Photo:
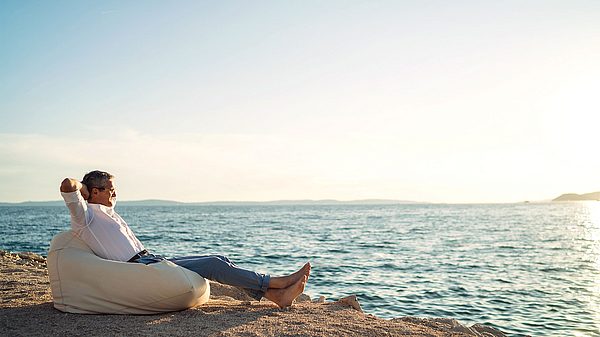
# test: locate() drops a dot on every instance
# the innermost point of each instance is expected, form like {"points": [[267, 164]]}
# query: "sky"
{"points": [[437, 101]]}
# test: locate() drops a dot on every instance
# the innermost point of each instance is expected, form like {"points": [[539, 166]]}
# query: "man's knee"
{"points": [[224, 258]]}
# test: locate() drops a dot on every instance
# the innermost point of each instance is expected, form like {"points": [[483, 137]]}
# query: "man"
{"points": [[94, 220]]}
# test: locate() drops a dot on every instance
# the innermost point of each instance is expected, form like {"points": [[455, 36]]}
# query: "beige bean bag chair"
{"points": [[84, 283]]}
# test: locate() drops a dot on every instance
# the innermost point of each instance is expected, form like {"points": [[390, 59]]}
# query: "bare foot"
{"points": [[286, 281], [286, 296]]}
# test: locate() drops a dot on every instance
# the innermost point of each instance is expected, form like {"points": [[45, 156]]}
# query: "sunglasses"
{"points": [[111, 190]]}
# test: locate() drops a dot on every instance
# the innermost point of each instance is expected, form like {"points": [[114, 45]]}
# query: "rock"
{"points": [[321, 299], [351, 301], [487, 330], [302, 298], [453, 326], [464, 329], [31, 256]]}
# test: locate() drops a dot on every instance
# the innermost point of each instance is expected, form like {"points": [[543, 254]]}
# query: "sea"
{"points": [[527, 268]]}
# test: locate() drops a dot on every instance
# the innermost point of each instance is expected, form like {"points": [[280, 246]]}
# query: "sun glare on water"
{"points": [[593, 209]]}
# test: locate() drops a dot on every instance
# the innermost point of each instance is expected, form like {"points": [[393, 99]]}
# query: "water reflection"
{"points": [[593, 210], [593, 228]]}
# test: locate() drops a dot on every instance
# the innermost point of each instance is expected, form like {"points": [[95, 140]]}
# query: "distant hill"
{"points": [[34, 203], [156, 202], [151, 202], [309, 202], [578, 197]]}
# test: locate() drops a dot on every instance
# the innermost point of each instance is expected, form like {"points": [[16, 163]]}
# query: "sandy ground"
{"points": [[26, 310]]}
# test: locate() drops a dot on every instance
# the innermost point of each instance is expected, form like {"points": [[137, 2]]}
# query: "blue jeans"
{"points": [[219, 268]]}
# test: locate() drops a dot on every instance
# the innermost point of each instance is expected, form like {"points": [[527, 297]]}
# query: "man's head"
{"points": [[101, 188]]}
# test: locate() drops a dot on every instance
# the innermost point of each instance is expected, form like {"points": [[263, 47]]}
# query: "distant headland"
{"points": [[578, 197]]}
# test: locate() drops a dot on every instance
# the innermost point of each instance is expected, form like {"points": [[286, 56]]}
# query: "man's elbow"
{"points": [[68, 185]]}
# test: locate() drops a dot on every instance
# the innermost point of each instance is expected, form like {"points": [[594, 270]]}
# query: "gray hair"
{"points": [[96, 179]]}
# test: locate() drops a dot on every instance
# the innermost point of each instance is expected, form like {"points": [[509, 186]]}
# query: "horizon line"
{"points": [[292, 201]]}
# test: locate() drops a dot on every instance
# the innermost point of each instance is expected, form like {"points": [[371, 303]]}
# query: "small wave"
{"points": [[338, 250], [500, 301], [459, 291], [508, 247], [503, 281], [555, 270], [388, 266], [432, 294]]}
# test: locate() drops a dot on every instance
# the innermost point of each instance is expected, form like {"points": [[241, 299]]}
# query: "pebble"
{"points": [[302, 298]]}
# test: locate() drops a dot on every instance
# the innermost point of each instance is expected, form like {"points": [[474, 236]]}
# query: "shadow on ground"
{"points": [[44, 320]]}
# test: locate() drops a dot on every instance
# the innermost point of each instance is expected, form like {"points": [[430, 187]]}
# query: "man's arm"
{"points": [[75, 202], [71, 185]]}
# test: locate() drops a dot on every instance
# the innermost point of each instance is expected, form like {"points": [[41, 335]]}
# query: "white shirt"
{"points": [[107, 234]]}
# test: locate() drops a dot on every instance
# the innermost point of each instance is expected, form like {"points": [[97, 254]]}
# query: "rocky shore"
{"points": [[26, 310]]}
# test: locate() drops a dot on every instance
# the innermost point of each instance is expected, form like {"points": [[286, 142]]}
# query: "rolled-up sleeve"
{"points": [[78, 208]]}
